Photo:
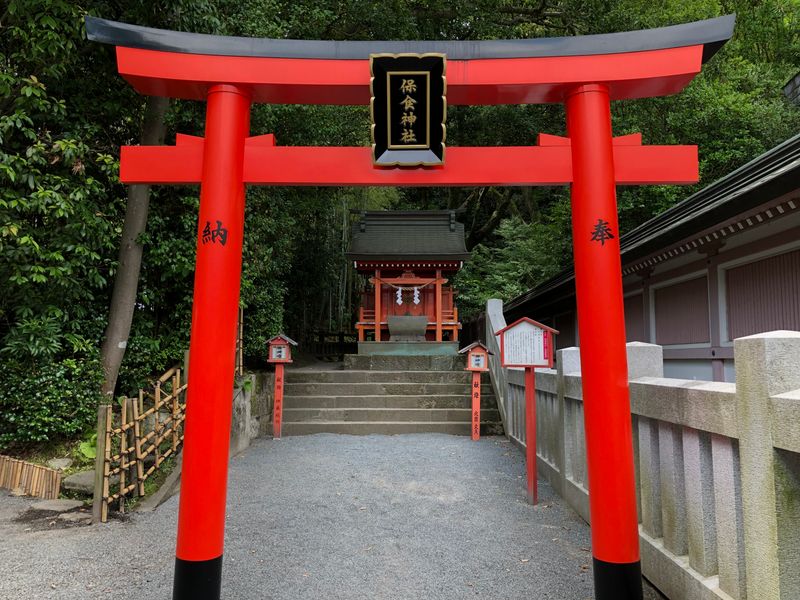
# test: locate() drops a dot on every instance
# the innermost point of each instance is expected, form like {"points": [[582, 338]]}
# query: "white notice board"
{"points": [[478, 360], [525, 345]]}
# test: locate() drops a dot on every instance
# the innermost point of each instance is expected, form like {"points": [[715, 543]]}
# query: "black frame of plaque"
{"points": [[422, 142]]}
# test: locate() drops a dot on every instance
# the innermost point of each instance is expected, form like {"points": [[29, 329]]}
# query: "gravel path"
{"points": [[334, 517]]}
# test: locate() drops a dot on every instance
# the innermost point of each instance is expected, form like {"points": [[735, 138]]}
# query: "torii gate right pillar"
{"points": [[604, 370]]}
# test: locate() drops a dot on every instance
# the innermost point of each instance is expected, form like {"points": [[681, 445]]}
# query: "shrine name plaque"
{"points": [[408, 109]]}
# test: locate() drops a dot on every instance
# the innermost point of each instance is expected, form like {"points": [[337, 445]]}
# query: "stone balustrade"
{"points": [[717, 464]]}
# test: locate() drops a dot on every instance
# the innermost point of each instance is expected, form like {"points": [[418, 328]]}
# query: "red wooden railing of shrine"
{"points": [[426, 306]]}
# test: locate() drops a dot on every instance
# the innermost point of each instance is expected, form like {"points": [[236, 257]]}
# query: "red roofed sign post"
{"points": [[585, 73], [528, 344], [477, 362], [279, 354]]}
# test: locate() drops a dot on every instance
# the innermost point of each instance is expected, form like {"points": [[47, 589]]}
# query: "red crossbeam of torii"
{"points": [[584, 73], [549, 163], [308, 80]]}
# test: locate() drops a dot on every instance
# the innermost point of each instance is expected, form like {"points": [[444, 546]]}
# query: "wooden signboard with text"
{"points": [[529, 344], [526, 343]]}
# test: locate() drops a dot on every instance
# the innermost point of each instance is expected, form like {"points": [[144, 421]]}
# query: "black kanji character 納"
{"points": [[212, 235]]}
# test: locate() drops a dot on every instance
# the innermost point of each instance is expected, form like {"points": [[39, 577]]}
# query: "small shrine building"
{"points": [[410, 258]]}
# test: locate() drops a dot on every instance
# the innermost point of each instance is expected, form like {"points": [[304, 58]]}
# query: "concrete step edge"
{"points": [[365, 371], [390, 416], [374, 408], [356, 403], [434, 411], [465, 382], [388, 427], [398, 423], [326, 396], [328, 385]]}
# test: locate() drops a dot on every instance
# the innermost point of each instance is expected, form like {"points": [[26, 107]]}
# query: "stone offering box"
{"points": [[407, 328]]}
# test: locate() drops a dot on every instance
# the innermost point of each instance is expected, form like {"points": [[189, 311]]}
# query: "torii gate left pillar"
{"points": [[586, 73], [201, 518]]}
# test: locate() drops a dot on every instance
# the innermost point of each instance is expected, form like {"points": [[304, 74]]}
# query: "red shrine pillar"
{"points": [[378, 307], [438, 303], [601, 322], [201, 519]]}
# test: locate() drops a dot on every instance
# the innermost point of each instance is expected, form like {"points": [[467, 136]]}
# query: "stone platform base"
{"points": [[408, 348]]}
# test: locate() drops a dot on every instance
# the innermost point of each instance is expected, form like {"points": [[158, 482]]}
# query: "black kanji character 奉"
{"points": [[602, 232]]}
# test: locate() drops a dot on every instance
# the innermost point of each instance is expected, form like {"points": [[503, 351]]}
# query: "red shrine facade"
{"points": [[410, 259]]}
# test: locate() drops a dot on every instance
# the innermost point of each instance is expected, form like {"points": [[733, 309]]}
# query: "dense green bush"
{"points": [[57, 401]]}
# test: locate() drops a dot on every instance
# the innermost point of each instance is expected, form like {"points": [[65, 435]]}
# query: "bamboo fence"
{"points": [[32, 480], [140, 434]]}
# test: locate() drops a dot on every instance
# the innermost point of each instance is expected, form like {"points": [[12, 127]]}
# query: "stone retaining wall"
{"points": [[253, 396]]}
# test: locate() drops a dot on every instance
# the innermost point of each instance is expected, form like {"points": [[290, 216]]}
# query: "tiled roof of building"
{"points": [[408, 235]]}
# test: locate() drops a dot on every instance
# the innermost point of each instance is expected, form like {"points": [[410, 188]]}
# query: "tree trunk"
{"points": [[123, 298], [476, 236]]}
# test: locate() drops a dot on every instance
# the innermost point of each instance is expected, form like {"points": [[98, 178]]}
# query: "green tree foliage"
{"points": [[734, 111], [64, 113], [63, 116], [57, 224], [523, 252]]}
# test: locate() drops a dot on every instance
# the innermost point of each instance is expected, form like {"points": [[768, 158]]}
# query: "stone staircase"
{"points": [[386, 397]]}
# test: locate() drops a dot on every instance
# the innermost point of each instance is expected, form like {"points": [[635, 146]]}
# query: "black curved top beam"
{"points": [[711, 33]]}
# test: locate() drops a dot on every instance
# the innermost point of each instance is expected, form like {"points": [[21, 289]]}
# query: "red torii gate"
{"points": [[585, 73]]}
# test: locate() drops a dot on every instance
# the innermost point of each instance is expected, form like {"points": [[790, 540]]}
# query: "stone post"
{"points": [[495, 321], [573, 473], [767, 364], [645, 360], [568, 360]]}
